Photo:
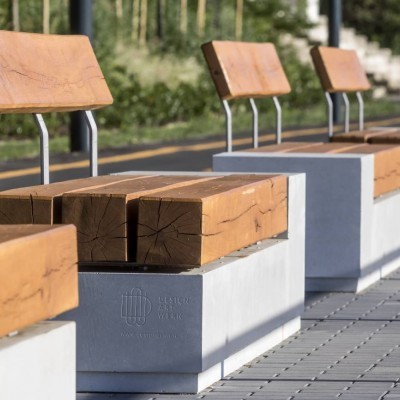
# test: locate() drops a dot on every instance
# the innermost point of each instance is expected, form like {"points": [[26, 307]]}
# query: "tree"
{"points": [[201, 17], [239, 19], [143, 22], [378, 20]]}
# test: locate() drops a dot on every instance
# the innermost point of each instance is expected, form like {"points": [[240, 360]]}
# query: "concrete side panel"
{"points": [[38, 363], [333, 204], [138, 322]]}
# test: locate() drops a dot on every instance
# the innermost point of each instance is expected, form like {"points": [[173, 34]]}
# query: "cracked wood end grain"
{"points": [[44, 73], [38, 274], [242, 70], [41, 204], [339, 70], [193, 225], [106, 217]]}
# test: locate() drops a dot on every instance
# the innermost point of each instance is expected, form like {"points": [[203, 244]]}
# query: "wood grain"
{"points": [[106, 218], [282, 147], [38, 274], [42, 73], [196, 224], [359, 136], [339, 70], [386, 166], [241, 69], [41, 204], [386, 138], [386, 159]]}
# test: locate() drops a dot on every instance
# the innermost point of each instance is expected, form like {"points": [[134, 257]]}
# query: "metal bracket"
{"points": [[255, 122], [228, 116], [278, 118], [329, 104], [93, 143], [360, 111], [346, 113], [44, 149]]}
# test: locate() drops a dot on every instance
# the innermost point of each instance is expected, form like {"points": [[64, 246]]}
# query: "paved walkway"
{"points": [[348, 348]]}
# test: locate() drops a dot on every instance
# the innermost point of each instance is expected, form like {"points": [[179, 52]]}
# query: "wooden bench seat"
{"points": [[370, 136], [340, 71], [38, 274], [106, 217], [253, 70], [41, 204], [196, 224], [386, 159]]}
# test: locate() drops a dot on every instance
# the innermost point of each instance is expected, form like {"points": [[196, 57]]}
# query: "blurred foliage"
{"points": [[140, 102], [378, 20]]}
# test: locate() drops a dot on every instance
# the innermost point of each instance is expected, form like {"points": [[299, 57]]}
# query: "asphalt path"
{"points": [[189, 155]]}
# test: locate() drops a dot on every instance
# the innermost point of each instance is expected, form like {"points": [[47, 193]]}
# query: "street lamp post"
{"points": [[80, 17], [335, 22]]}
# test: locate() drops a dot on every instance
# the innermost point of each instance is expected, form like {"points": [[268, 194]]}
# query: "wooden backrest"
{"points": [[42, 73], [339, 70], [243, 70]]}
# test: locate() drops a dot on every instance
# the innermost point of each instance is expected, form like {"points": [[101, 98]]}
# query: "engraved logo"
{"points": [[135, 307]]}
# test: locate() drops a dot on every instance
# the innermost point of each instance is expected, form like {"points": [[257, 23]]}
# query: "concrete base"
{"points": [[38, 363], [147, 382], [352, 240], [142, 331]]}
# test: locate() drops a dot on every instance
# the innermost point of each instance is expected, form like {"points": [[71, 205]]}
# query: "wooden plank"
{"points": [[359, 136], [38, 274], [42, 73], [386, 166], [282, 147], [386, 138], [106, 217], [196, 224], [41, 204], [327, 148], [339, 70], [241, 69]]}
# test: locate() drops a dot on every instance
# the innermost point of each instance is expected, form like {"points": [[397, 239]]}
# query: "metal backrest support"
{"points": [[51, 73], [340, 71], [246, 70]]}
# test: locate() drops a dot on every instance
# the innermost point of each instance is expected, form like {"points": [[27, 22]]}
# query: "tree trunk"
{"points": [[143, 22], [160, 18], [135, 20], [118, 9], [183, 20], [15, 15], [201, 17], [239, 20], [46, 16]]}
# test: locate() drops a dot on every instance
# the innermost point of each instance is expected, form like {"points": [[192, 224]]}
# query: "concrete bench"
{"points": [[38, 264], [353, 202], [144, 328], [340, 71], [38, 281]]}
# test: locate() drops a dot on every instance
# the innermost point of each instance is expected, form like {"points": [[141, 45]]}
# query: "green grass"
{"points": [[211, 125]]}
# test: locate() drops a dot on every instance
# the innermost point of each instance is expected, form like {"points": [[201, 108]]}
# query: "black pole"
{"points": [[335, 22], [80, 19]]}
